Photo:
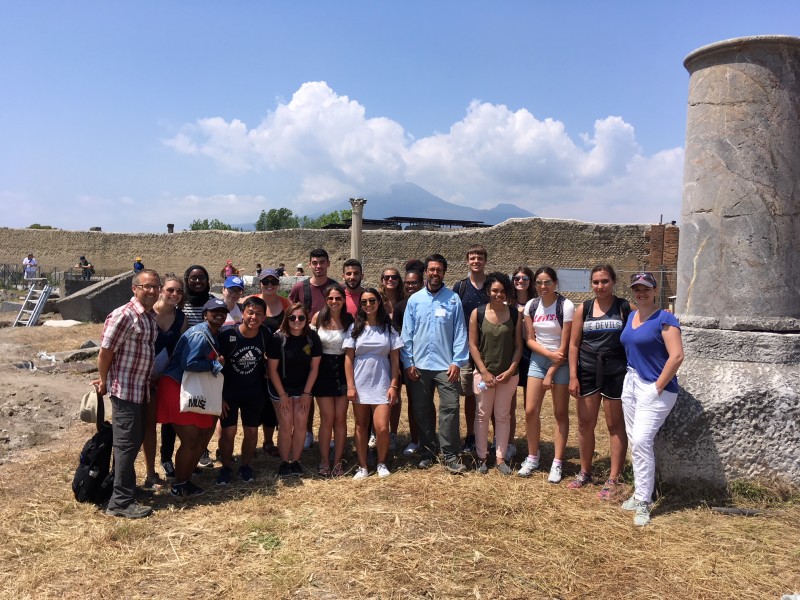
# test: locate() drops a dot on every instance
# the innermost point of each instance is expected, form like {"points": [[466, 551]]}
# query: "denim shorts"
{"points": [[540, 364]]}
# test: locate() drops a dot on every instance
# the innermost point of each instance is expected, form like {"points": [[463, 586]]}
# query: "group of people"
{"points": [[341, 343]]}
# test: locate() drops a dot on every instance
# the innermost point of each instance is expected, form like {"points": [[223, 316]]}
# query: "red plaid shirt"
{"points": [[130, 332]]}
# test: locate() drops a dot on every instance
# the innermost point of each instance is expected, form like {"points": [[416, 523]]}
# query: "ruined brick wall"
{"points": [[533, 242]]}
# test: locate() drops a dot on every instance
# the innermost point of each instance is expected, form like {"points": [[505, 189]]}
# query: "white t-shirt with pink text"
{"points": [[545, 322]]}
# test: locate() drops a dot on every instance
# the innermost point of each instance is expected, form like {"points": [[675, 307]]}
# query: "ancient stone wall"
{"points": [[533, 242]]}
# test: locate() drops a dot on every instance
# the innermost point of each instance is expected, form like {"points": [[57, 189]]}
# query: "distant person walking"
{"points": [[138, 265], [124, 363], [30, 267], [87, 268]]}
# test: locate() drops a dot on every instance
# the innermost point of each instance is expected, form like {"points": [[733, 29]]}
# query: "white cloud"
{"points": [[494, 154]]}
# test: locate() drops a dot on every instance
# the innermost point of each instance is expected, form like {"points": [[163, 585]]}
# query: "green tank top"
{"points": [[497, 345]]}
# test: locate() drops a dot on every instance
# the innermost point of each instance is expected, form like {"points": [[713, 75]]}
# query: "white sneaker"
{"points": [[555, 474], [309, 441], [630, 504], [383, 471], [411, 449], [642, 515], [361, 473], [373, 442], [529, 465], [511, 451]]}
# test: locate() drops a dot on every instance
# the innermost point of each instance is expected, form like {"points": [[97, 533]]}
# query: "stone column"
{"points": [[356, 226], [738, 412]]}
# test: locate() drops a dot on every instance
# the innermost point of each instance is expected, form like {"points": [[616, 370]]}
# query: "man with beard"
{"points": [[434, 350], [352, 273], [124, 365]]}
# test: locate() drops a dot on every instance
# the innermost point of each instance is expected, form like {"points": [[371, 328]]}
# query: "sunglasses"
{"points": [[369, 301], [294, 318], [334, 299], [391, 277], [521, 278], [545, 283], [173, 290], [270, 281]]}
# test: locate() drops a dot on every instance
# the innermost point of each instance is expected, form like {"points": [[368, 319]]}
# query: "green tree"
{"points": [[333, 217], [37, 226], [277, 218], [204, 224]]}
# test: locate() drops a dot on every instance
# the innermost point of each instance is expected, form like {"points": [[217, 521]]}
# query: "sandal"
{"points": [[581, 479], [608, 492], [324, 471], [338, 470]]}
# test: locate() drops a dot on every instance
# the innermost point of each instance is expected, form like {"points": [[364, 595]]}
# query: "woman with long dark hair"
{"points": [[170, 319], [330, 389], [372, 365], [495, 344], [294, 356], [597, 366], [393, 293], [548, 322]]}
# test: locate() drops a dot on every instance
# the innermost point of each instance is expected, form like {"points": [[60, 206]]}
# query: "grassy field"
{"points": [[416, 534]]}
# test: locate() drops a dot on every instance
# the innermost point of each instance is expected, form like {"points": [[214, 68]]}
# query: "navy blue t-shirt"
{"points": [[471, 298]]}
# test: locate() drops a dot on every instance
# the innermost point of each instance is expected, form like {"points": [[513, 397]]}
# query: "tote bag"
{"points": [[201, 392]]}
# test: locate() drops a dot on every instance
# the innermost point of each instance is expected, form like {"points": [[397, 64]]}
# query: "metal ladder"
{"points": [[34, 303]]}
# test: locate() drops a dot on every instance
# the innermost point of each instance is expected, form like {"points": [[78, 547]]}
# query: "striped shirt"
{"points": [[130, 333]]}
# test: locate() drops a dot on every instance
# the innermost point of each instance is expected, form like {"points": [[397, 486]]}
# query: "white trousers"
{"points": [[645, 411]]}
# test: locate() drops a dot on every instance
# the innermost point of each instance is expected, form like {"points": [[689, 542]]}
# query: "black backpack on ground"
{"points": [[94, 478]]}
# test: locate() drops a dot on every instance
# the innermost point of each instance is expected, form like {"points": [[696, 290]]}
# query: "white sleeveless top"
{"points": [[332, 340]]}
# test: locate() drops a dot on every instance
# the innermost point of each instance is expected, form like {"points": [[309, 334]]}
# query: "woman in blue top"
{"points": [[652, 341], [197, 351]]}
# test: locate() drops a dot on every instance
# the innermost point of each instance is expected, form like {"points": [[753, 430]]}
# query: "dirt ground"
{"points": [[39, 398]]}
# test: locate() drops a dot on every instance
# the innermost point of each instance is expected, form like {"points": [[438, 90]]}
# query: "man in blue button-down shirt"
{"points": [[435, 348]]}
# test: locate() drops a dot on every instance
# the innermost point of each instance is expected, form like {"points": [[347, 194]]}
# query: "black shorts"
{"points": [[251, 407], [269, 418], [608, 384]]}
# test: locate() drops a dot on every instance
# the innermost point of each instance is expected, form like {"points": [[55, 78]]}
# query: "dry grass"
{"points": [[413, 535]]}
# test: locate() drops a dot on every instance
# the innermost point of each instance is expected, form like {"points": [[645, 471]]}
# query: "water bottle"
{"points": [[481, 386]]}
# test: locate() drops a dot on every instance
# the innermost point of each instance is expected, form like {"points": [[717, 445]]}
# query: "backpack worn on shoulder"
{"points": [[559, 308], [94, 477]]}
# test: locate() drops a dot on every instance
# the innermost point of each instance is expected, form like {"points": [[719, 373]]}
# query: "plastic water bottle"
{"points": [[481, 386]]}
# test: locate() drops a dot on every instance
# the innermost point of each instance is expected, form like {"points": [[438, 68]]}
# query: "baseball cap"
{"points": [[645, 278], [234, 281], [215, 304], [268, 273]]}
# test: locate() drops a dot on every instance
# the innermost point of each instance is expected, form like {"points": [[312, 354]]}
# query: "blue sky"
{"points": [[131, 115]]}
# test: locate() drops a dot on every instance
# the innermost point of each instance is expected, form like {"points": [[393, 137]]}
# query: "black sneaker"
{"points": [[134, 510], [425, 463], [455, 467], [284, 470], [246, 473], [482, 468], [224, 476], [184, 490], [469, 444], [296, 469], [169, 469], [205, 460]]}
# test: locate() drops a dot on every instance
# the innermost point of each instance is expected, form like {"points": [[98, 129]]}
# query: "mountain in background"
{"points": [[410, 200]]}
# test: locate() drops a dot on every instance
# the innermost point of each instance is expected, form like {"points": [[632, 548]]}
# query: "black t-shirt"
{"points": [[295, 360], [245, 364], [471, 297], [274, 323]]}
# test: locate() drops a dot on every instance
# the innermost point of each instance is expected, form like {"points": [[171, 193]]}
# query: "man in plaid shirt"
{"points": [[125, 362]]}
